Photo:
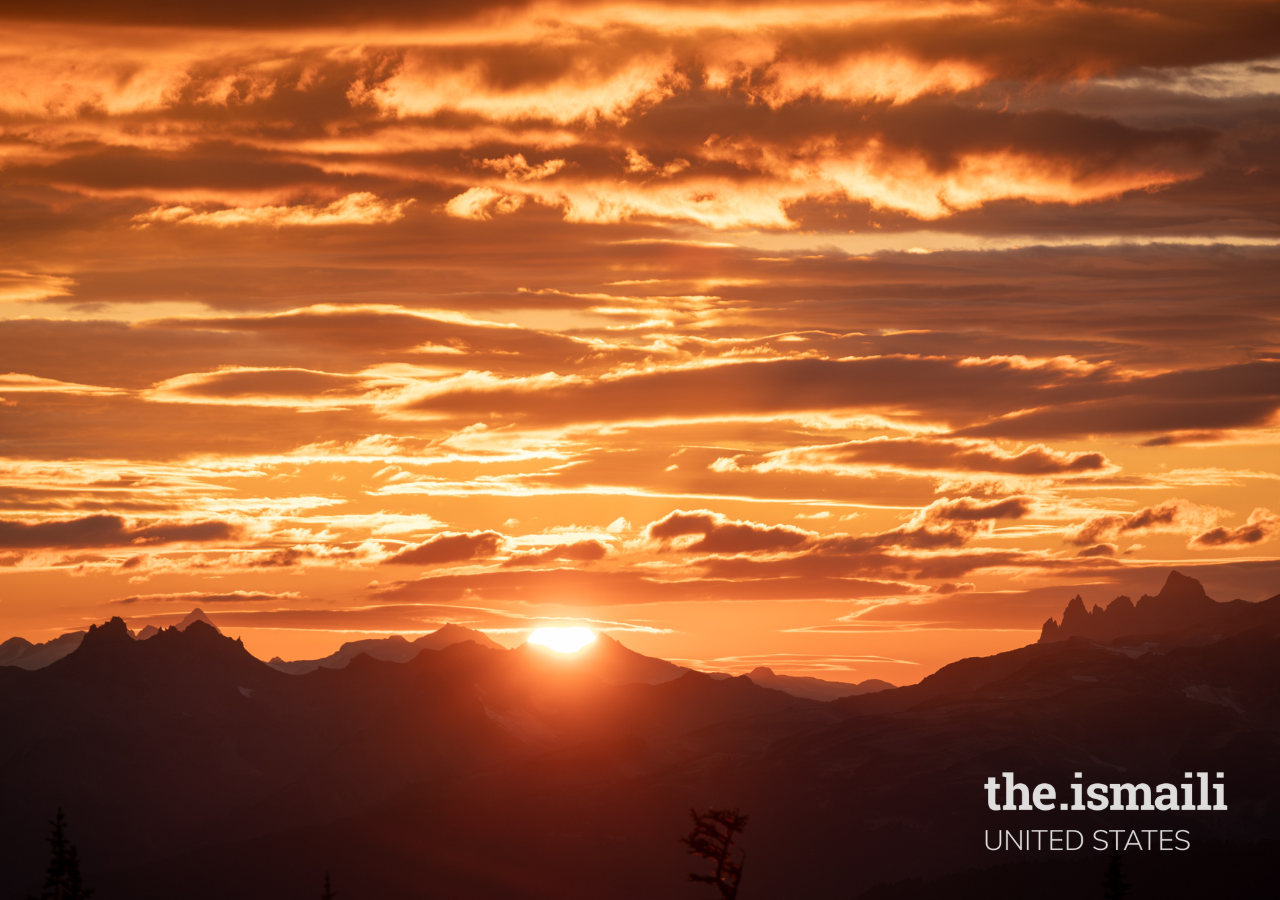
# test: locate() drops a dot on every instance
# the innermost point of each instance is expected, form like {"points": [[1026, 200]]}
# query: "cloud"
{"points": [[934, 454], [602, 587], [15, 383], [942, 524], [261, 387], [588, 83], [207, 597], [718, 534], [372, 331], [1169, 516], [967, 509], [104, 530], [1261, 526], [1182, 400], [514, 167], [354, 209], [939, 386], [17, 286], [578, 551], [1069, 400], [449, 547], [552, 318], [299, 558], [865, 77], [481, 203]]}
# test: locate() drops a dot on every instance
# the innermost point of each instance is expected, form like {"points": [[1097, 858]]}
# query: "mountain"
{"points": [[1181, 603], [393, 649], [814, 688], [608, 660], [196, 615], [186, 740], [22, 653], [526, 775], [845, 797]]}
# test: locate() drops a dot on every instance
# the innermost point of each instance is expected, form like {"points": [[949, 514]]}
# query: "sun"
{"points": [[563, 640]]}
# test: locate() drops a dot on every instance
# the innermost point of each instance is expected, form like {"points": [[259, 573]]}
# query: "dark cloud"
{"points": [[1066, 401], [1262, 526], [123, 169], [578, 551], [718, 534], [1171, 515], [449, 547], [943, 524], [967, 227], [111, 531], [282, 14], [941, 385], [967, 509], [379, 332]]}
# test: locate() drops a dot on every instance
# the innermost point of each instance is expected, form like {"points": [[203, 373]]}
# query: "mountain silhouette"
{"points": [[814, 688], [526, 774], [844, 796], [185, 738], [196, 615], [1181, 603], [606, 659], [395, 648], [22, 653]]}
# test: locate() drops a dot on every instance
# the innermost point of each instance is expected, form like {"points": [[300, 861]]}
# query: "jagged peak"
{"points": [[1182, 601], [1181, 585], [114, 630], [1120, 603]]}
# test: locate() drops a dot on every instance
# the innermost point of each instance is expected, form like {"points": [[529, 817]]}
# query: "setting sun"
{"points": [[563, 640]]}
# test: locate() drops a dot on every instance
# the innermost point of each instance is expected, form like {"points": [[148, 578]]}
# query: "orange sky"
{"points": [[846, 338]]}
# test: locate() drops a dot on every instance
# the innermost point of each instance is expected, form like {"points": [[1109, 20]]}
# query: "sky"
{"points": [[847, 338]]}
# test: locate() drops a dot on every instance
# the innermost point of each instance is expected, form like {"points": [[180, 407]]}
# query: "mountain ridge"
{"points": [[604, 775], [1181, 603], [394, 648], [22, 653], [815, 688]]}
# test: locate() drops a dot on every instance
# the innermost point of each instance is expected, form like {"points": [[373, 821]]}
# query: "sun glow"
{"points": [[563, 640]]}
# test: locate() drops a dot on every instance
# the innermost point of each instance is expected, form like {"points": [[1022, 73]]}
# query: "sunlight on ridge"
{"points": [[563, 640]]}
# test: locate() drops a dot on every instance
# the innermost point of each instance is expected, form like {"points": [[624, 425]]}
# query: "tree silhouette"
{"points": [[1114, 887], [329, 892], [62, 879], [712, 838]]}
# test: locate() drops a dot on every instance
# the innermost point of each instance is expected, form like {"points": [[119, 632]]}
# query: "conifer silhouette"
{"points": [[1114, 887], [712, 838], [62, 879], [329, 892]]}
